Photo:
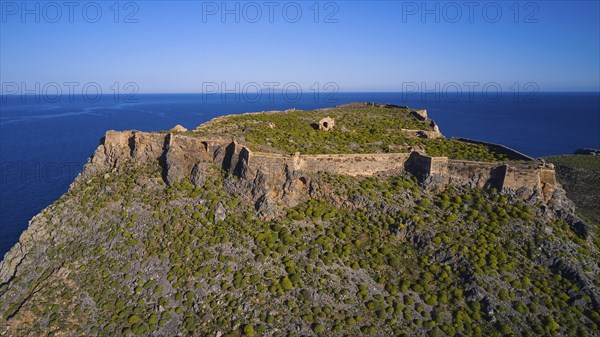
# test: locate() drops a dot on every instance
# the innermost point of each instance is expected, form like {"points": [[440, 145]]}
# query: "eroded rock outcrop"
{"points": [[117, 148], [182, 154]]}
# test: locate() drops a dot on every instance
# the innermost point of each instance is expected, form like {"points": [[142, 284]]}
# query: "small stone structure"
{"points": [[326, 124], [178, 128]]}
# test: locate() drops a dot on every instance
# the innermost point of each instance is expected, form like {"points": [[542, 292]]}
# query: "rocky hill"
{"points": [[263, 224]]}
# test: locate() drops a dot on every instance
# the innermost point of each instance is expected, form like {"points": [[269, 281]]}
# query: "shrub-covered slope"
{"points": [[580, 176], [125, 254], [358, 129]]}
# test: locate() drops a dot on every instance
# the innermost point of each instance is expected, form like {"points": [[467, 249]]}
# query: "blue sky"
{"points": [[368, 46]]}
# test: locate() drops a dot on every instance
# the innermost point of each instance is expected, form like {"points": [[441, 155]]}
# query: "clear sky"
{"points": [[166, 46]]}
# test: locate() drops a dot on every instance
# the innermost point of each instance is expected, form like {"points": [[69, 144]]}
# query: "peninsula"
{"points": [[362, 219]]}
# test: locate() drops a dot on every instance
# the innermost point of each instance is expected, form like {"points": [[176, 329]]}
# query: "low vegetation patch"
{"points": [[357, 130], [131, 256]]}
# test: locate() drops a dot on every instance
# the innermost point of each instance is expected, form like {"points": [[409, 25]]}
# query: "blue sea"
{"points": [[43, 145]]}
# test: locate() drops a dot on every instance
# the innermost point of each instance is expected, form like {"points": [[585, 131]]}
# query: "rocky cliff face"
{"points": [[270, 186], [274, 183], [279, 179], [153, 239]]}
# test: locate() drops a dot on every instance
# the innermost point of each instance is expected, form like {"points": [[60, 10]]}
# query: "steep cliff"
{"points": [[272, 176]]}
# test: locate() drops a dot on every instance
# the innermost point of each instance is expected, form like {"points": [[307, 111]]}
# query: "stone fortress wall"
{"points": [[180, 152], [352, 164], [530, 177]]}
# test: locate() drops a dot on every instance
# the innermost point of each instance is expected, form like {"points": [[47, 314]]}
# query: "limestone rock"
{"points": [[579, 227], [434, 182], [560, 202], [198, 176], [220, 214], [267, 208], [181, 156]]}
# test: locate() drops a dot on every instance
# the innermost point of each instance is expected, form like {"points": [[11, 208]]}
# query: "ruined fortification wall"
{"points": [[529, 179], [272, 163], [475, 174], [133, 144], [548, 181], [118, 147], [180, 154], [346, 164], [423, 166], [418, 165], [438, 165], [539, 180], [433, 133], [516, 178], [353, 164]]}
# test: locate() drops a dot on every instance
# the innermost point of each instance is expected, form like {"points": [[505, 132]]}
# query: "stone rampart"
{"points": [[180, 153], [353, 164], [475, 174]]}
